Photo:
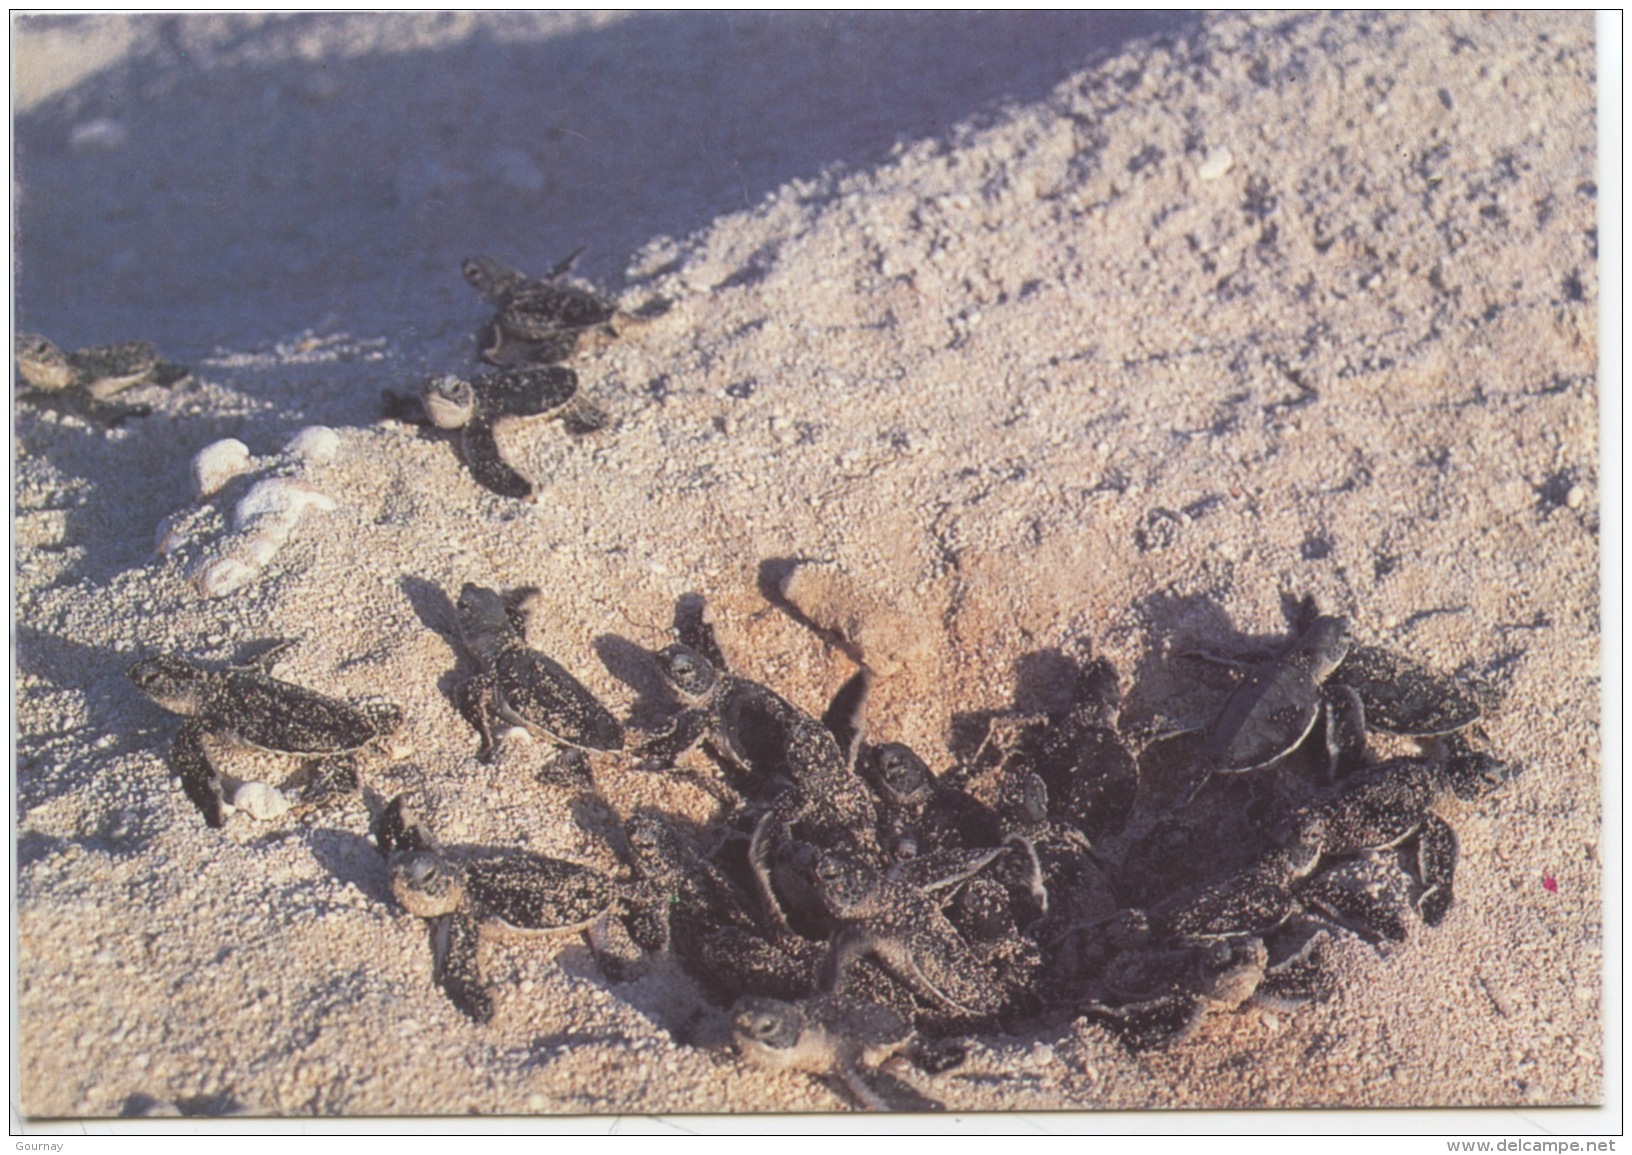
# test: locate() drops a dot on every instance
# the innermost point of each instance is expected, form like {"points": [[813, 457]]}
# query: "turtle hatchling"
{"points": [[539, 319], [1271, 713], [484, 407], [245, 706], [1391, 803], [87, 379], [832, 1036], [464, 899], [521, 686]]}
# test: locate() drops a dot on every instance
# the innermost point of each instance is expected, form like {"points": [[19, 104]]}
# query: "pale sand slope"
{"points": [[975, 374]]}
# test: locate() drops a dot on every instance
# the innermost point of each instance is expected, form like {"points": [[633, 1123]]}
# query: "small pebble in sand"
{"points": [[1218, 162], [1576, 497]]}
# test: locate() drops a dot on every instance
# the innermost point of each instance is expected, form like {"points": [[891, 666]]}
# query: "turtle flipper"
{"points": [[877, 1090], [199, 778], [331, 778], [398, 828], [1144, 1026], [478, 704], [1436, 859], [581, 417], [454, 938], [488, 466], [844, 715], [686, 730]]}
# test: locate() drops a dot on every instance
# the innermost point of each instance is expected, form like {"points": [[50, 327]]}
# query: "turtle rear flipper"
{"points": [[488, 466], [454, 939], [581, 417], [1436, 859], [199, 778]]}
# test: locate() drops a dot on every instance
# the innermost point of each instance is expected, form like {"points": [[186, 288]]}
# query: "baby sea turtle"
{"points": [[1271, 713], [466, 898], [789, 757], [539, 320], [87, 379], [919, 813], [245, 706], [905, 930], [1391, 803], [484, 407], [710, 921], [521, 686], [832, 1036], [1399, 696]]}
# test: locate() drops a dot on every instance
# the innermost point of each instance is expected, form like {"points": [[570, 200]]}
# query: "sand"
{"points": [[1049, 331]]}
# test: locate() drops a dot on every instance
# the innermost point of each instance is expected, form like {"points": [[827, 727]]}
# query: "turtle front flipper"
{"points": [[199, 778], [687, 728], [398, 828], [877, 1090], [488, 466], [1153, 1023], [1436, 859], [328, 779], [455, 938], [478, 703]]}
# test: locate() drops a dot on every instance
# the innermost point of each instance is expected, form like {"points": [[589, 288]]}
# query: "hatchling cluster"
{"points": [[848, 910]]}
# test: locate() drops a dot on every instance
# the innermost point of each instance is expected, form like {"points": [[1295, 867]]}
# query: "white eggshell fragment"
{"points": [[315, 445], [260, 801], [218, 463]]}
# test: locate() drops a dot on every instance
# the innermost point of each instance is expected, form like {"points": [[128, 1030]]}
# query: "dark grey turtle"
{"points": [[710, 923], [466, 898], [245, 706], [1156, 996], [790, 759], [539, 320], [917, 812], [484, 407], [87, 379], [1276, 707], [1401, 697], [905, 930], [835, 1037], [521, 686], [1079, 754], [1391, 803], [1060, 874], [1251, 902]]}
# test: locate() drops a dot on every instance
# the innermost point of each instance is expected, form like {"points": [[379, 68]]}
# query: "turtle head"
{"points": [[767, 1029], [901, 775], [690, 675], [450, 402], [483, 620], [1324, 645], [427, 884], [654, 846], [490, 277], [171, 681], [844, 885]]}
